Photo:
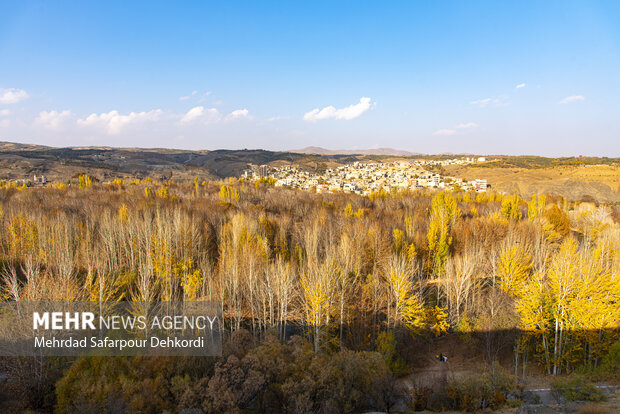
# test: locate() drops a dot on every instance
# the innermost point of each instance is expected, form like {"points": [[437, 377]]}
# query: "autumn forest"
{"points": [[315, 287]]}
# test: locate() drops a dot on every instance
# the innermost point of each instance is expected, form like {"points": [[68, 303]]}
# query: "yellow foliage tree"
{"points": [[84, 181], [573, 308], [191, 279], [444, 214], [118, 183], [536, 207], [557, 224], [24, 236], [408, 309], [316, 287], [228, 194], [510, 207], [514, 270], [196, 187], [122, 214], [163, 191], [348, 210], [398, 240]]}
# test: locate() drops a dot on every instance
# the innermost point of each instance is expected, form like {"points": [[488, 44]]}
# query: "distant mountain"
{"points": [[375, 151], [19, 161]]}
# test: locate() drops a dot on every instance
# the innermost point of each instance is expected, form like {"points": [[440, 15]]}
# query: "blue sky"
{"points": [[481, 77]]}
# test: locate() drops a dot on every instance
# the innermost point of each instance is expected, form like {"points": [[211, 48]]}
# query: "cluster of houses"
{"points": [[37, 180], [367, 177]]}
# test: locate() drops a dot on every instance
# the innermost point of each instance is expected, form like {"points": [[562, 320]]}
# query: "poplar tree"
{"points": [[444, 213]]}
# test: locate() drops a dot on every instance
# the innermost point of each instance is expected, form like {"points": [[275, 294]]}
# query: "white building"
{"points": [[480, 185]]}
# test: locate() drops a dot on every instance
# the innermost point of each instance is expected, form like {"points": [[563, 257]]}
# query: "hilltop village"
{"points": [[367, 177]]}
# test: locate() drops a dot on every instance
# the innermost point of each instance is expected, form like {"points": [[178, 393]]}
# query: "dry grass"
{"points": [[600, 182], [594, 409], [612, 405]]}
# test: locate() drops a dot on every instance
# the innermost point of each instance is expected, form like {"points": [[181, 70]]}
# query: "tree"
{"points": [[348, 210], [510, 207], [317, 285], [459, 284], [346, 278], [84, 181], [514, 273], [228, 194], [196, 187], [444, 214], [557, 223], [536, 207], [514, 270], [408, 308]]}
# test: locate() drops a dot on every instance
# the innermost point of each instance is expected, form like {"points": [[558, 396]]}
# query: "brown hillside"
{"points": [[598, 182]]}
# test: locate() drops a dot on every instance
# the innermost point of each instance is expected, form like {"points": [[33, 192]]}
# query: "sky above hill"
{"points": [[477, 77]]}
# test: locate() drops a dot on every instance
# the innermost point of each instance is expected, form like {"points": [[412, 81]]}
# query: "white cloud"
{"points": [[275, 118], [237, 114], [212, 115], [572, 98], [194, 93], [467, 125], [113, 122], [521, 85], [499, 101], [481, 102], [203, 97], [445, 132], [195, 112], [53, 119], [201, 113], [188, 97], [348, 113], [4, 112], [12, 95], [459, 129]]}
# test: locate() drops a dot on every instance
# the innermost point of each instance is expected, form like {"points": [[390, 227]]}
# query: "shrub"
{"points": [[422, 398], [91, 385], [575, 388], [276, 377], [343, 382], [118, 384], [471, 394], [514, 403], [489, 390], [386, 346], [611, 362], [31, 380]]}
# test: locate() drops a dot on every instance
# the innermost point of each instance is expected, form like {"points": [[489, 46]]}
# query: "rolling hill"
{"points": [[574, 178]]}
